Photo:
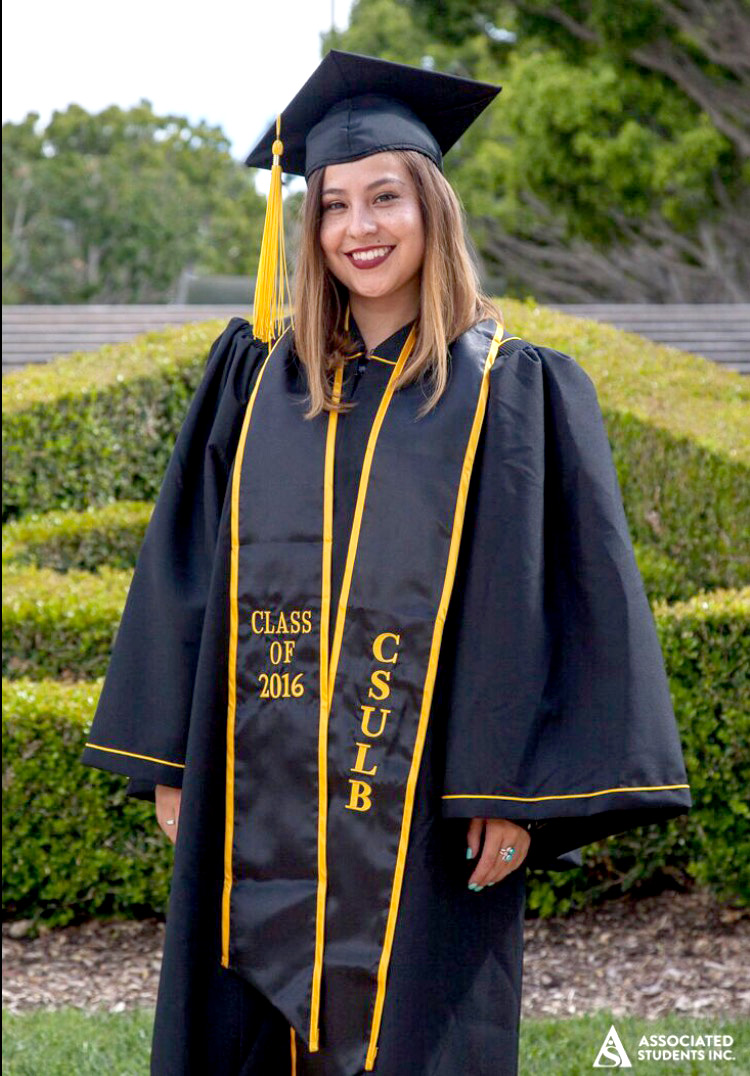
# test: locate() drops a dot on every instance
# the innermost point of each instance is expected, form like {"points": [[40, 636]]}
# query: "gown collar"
{"points": [[388, 350]]}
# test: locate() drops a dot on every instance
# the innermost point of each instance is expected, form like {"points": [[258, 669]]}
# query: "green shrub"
{"points": [[74, 844], [688, 505], [706, 645], [664, 579], [90, 428], [112, 535], [89, 849], [64, 624], [61, 624]]}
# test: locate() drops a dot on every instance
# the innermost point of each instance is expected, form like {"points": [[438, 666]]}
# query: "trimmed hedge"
{"points": [[64, 625], [96, 426], [706, 646], [90, 428], [664, 579], [677, 425], [112, 535], [61, 625], [88, 849]]}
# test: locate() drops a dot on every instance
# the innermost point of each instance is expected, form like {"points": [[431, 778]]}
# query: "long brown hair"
{"points": [[451, 299]]}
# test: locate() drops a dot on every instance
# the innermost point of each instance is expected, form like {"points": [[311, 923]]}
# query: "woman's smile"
{"points": [[368, 257]]}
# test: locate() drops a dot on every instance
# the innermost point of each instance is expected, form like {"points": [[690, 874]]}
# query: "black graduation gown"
{"points": [[562, 642]]}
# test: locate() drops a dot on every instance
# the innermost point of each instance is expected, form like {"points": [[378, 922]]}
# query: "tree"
{"points": [[702, 47], [592, 177], [112, 206]]}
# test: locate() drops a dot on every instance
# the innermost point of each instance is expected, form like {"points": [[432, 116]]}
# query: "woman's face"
{"points": [[371, 228]]}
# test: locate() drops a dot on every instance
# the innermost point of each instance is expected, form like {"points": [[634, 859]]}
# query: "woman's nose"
{"points": [[361, 221]]}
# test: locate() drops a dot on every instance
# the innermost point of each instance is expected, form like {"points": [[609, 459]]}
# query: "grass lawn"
{"points": [[74, 1042]]}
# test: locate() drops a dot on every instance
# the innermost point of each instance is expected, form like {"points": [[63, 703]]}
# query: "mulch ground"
{"points": [[671, 953]]}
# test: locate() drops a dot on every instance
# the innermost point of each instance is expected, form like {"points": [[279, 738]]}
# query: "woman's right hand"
{"points": [[168, 806]]}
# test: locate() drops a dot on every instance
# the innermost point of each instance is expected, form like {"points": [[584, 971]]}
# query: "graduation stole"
{"points": [[328, 709]]}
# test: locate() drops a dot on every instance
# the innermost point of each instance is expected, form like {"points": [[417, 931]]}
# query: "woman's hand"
{"points": [[499, 833], [168, 806]]}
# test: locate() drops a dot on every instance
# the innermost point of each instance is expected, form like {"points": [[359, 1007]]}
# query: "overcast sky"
{"points": [[233, 64]]}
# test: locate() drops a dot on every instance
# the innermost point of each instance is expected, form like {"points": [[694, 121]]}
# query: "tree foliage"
{"points": [[594, 176], [113, 206], [702, 47]]}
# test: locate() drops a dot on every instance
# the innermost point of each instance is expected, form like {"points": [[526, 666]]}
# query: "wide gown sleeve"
{"points": [[559, 711], [141, 722]]}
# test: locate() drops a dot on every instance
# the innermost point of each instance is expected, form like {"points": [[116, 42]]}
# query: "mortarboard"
{"points": [[350, 107]]}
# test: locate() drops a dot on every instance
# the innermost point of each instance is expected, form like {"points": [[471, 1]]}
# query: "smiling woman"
{"points": [[386, 646], [383, 235]]}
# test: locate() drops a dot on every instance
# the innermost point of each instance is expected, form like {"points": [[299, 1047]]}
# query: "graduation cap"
{"points": [[350, 107]]}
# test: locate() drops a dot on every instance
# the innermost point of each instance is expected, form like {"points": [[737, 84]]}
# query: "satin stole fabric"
{"points": [[328, 708]]}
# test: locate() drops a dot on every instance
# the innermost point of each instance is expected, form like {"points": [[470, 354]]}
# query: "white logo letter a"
{"points": [[612, 1054]]}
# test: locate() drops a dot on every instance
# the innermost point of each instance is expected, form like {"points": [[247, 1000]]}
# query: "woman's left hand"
{"points": [[499, 833]]}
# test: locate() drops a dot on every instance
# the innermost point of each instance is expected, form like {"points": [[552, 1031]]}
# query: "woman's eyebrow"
{"points": [[369, 187]]}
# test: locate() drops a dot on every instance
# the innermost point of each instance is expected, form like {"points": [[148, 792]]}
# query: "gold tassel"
{"points": [[272, 289]]}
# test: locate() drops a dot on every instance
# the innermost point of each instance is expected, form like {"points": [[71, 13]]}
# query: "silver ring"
{"points": [[507, 854], [170, 821]]}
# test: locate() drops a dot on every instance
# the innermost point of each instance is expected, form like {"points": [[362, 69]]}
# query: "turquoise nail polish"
{"points": [[472, 885], [478, 888], [469, 853]]}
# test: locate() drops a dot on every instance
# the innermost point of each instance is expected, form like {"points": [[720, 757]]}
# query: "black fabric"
{"points": [[454, 986], [144, 708], [352, 106], [561, 711], [369, 123], [389, 625]]}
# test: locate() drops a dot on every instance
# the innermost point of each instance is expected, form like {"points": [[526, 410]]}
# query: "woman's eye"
{"points": [[387, 195], [332, 205]]}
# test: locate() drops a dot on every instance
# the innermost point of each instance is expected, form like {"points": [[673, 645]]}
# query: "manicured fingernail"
{"points": [[476, 888], [469, 853]]}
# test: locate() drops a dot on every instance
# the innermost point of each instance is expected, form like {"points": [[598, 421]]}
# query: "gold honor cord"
{"points": [[325, 706], [411, 783], [331, 679], [360, 506], [232, 685]]}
